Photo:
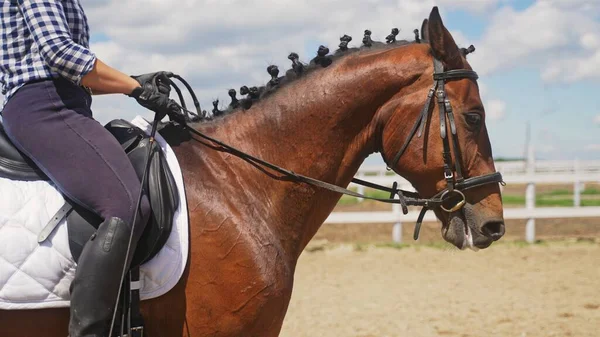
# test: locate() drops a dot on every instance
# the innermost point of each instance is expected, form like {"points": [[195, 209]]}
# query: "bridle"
{"points": [[451, 199]]}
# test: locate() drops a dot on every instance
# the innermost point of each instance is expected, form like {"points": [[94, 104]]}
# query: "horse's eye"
{"points": [[473, 119]]}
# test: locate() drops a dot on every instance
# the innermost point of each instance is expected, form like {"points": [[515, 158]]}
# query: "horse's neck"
{"points": [[321, 127]]}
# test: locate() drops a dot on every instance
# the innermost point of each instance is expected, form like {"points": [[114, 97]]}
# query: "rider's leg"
{"points": [[51, 122]]}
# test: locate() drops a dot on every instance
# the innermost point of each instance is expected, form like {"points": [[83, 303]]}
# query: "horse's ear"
{"points": [[442, 44], [425, 31]]}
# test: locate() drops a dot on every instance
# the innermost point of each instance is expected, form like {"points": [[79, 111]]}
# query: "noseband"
{"points": [[451, 199]]}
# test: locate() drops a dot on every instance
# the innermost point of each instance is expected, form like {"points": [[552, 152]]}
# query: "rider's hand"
{"points": [[174, 111], [159, 80], [153, 92]]}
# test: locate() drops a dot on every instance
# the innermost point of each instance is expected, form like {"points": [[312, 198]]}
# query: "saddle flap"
{"points": [[163, 196], [160, 188]]}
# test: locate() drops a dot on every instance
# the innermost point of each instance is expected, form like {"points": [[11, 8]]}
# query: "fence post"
{"points": [[397, 229], [530, 196], [577, 185]]}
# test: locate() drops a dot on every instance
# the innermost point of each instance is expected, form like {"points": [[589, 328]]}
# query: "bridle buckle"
{"points": [[448, 175]]}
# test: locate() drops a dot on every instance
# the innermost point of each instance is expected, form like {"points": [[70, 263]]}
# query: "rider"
{"points": [[47, 75]]}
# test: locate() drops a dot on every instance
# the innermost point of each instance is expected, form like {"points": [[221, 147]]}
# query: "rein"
{"points": [[443, 199]]}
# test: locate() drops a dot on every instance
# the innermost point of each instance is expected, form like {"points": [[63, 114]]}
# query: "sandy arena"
{"points": [[510, 289]]}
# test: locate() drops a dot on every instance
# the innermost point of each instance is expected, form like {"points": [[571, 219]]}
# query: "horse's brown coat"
{"points": [[248, 230]]}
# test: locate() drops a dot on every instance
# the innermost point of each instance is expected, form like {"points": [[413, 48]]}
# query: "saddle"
{"points": [[160, 188]]}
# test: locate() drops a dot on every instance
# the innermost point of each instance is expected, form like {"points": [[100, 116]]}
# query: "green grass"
{"points": [[348, 200], [590, 202], [591, 191], [392, 245], [513, 199], [559, 192], [540, 201], [549, 199]]}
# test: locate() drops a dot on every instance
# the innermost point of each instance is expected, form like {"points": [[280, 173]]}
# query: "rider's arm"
{"points": [[106, 80], [48, 27]]}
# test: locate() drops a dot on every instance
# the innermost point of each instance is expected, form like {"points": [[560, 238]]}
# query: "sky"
{"points": [[538, 60]]}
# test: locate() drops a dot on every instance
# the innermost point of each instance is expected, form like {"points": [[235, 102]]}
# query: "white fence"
{"points": [[518, 173], [519, 167]]}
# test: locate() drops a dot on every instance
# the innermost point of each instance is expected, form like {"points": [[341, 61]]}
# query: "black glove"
{"points": [[174, 111], [153, 92], [159, 80]]}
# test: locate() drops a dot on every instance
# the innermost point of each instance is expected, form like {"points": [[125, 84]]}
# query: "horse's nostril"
{"points": [[493, 229]]}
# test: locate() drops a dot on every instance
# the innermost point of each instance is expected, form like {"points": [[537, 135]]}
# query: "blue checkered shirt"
{"points": [[42, 39]]}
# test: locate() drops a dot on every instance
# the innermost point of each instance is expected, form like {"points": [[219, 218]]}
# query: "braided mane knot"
{"points": [[467, 51], [216, 112], [234, 101], [367, 41], [322, 59], [417, 38], [392, 37], [273, 70], [344, 40], [297, 66]]}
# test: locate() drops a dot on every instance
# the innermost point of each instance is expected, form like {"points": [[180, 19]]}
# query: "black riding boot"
{"points": [[96, 284]]}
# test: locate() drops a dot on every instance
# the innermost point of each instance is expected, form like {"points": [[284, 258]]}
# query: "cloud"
{"points": [[202, 25], [562, 33], [592, 147], [597, 120], [495, 110], [218, 45], [476, 6], [109, 107]]}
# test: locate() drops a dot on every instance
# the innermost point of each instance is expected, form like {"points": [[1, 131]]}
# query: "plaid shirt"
{"points": [[42, 39]]}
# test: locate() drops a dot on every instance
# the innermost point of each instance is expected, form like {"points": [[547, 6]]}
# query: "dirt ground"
{"points": [[351, 282], [509, 289]]}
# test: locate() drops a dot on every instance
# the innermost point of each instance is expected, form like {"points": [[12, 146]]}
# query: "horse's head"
{"points": [[471, 210]]}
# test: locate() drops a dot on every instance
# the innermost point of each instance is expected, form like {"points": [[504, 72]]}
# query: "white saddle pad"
{"points": [[34, 276]]}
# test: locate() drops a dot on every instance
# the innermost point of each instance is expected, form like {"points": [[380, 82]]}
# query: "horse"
{"points": [[247, 230]]}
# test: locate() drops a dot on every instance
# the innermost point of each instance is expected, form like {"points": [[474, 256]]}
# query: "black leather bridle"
{"points": [[450, 199]]}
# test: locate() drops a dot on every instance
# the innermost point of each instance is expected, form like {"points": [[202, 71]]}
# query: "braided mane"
{"points": [[299, 70]]}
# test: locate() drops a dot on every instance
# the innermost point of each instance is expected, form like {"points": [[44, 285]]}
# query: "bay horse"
{"points": [[248, 230]]}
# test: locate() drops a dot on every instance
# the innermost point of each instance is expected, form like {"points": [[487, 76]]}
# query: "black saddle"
{"points": [[160, 188]]}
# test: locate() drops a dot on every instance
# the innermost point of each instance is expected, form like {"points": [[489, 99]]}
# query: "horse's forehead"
{"points": [[464, 92]]}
